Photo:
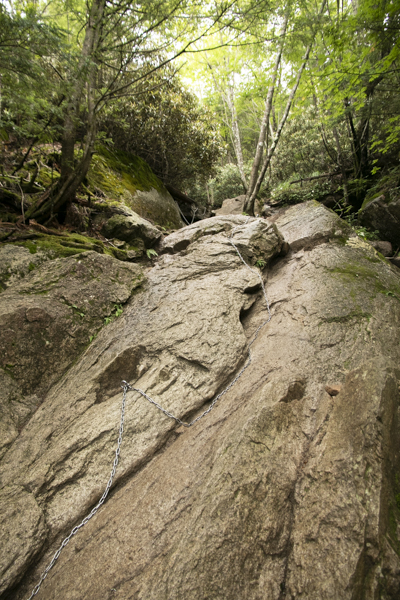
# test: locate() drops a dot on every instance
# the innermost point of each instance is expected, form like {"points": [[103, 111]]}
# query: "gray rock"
{"points": [[395, 260], [309, 224], [282, 491], [231, 206], [47, 320], [383, 215], [255, 238], [131, 228], [384, 248], [266, 210], [16, 262]]}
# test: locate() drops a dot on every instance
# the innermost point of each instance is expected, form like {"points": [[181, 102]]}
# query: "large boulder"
{"points": [[287, 489], [256, 239], [127, 182], [382, 214], [48, 318]]}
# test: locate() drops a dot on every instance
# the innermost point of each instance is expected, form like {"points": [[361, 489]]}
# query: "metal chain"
{"points": [[127, 386], [95, 508]]}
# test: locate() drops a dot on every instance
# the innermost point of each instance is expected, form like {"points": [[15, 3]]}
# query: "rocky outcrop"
{"points": [[48, 318], [383, 215], [287, 489]]}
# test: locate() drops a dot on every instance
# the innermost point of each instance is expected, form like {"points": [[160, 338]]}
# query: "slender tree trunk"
{"points": [[267, 112], [237, 144], [341, 166], [72, 175], [228, 99], [251, 196]]}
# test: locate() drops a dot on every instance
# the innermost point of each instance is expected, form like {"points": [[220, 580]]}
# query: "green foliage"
{"points": [[164, 124], [151, 253], [287, 193], [365, 233], [386, 184], [260, 263], [226, 184], [115, 313], [30, 48]]}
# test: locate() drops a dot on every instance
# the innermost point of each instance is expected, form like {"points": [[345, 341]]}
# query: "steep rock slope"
{"points": [[287, 489]]}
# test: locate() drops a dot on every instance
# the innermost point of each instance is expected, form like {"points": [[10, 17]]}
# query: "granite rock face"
{"points": [[231, 206], [284, 490]]}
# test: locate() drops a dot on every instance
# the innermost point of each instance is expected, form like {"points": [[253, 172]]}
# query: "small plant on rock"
{"points": [[260, 264], [116, 312], [151, 253]]}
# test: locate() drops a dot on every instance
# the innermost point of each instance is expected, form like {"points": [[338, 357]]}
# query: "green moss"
{"points": [[353, 315], [362, 275], [62, 246], [119, 174], [397, 490], [9, 369], [46, 177], [351, 270], [340, 240]]}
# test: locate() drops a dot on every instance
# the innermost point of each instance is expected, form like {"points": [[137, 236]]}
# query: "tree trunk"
{"points": [[251, 196], [341, 165], [72, 175], [237, 144], [267, 112]]}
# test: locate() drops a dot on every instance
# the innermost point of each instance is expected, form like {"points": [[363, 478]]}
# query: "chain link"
{"points": [[95, 508], [127, 386]]}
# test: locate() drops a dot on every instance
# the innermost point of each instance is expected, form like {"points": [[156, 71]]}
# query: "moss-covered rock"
{"points": [[125, 179], [44, 246], [132, 229], [383, 215]]}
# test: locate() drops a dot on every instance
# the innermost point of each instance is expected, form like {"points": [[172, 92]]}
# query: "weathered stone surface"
{"points": [[128, 182], [131, 228], [282, 491], [383, 247], [310, 224], [16, 262], [383, 215], [395, 260], [256, 239], [22, 532], [231, 206], [47, 319]]}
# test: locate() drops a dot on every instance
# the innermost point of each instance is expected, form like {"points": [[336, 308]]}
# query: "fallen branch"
{"points": [[315, 177], [177, 195]]}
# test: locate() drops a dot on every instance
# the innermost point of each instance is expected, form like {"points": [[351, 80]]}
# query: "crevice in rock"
{"points": [[295, 391], [124, 366]]}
